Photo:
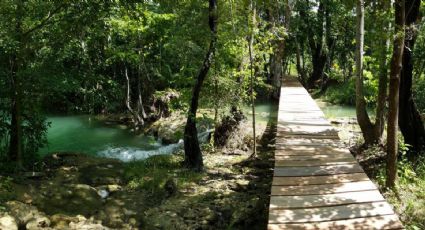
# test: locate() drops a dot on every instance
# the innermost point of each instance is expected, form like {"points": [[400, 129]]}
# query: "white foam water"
{"points": [[127, 154]]}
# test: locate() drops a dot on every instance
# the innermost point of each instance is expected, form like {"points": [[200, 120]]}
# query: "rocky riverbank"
{"points": [[74, 191]]}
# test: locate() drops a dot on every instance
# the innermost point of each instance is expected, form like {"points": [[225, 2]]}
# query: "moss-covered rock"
{"points": [[171, 129]]}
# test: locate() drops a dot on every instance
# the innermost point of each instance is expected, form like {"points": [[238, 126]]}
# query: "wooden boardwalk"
{"points": [[317, 183]]}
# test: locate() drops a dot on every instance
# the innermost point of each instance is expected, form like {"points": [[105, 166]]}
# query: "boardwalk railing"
{"points": [[317, 183]]}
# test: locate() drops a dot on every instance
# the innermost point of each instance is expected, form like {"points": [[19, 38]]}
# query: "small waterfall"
{"points": [[127, 154]]}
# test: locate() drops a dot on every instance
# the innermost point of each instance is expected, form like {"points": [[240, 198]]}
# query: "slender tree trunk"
{"points": [[410, 121], [298, 62], [396, 65], [382, 91], [216, 99], [16, 134], [193, 154], [362, 116], [15, 146], [252, 78], [137, 120], [140, 108]]}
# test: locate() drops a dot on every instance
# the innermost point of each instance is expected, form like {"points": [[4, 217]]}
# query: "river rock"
{"points": [[86, 224], [72, 199], [169, 130], [23, 212], [102, 174], [8, 222], [40, 222]]}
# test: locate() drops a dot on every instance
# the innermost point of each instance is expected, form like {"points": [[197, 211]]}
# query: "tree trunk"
{"points": [[362, 117], [15, 145], [16, 134], [300, 70], [193, 155], [137, 120], [276, 69], [410, 121], [140, 107], [317, 46], [319, 61], [276, 59], [251, 60], [396, 65], [382, 91]]}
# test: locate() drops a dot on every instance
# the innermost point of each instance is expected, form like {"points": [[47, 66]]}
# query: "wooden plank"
{"points": [[298, 143], [296, 139], [304, 135], [307, 130], [369, 223], [318, 170], [317, 183], [316, 180], [342, 212], [322, 188], [321, 157], [306, 122], [315, 162], [307, 150], [309, 201]]}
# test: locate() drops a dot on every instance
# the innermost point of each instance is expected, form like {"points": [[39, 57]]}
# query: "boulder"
{"points": [[86, 224], [61, 221], [40, 222], [8, 222], [170, 130], [22, 212]]}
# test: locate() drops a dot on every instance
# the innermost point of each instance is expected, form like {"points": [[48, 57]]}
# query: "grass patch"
{"points": [[409, 197], [153, 173]]}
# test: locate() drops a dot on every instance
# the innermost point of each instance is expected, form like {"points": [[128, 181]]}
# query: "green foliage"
{"points": [[408, 197], [344, 93], [419, 93], [6, 190]]}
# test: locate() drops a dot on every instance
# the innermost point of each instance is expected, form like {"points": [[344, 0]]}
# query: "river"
{"points": [[83, 134]]}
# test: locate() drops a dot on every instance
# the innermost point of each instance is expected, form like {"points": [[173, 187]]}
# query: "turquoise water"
{"points": [[264, 111], [337, 111], [84, 134], [341, 111]]}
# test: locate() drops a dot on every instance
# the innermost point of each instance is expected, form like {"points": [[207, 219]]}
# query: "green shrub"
{"points": [[419, 93], [345, 92]]}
